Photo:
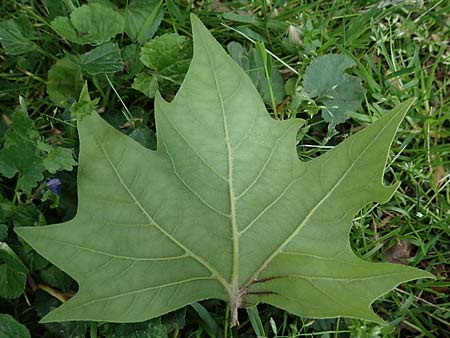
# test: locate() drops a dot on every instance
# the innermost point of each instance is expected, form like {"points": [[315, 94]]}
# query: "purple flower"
{"points": [[53, 184]]}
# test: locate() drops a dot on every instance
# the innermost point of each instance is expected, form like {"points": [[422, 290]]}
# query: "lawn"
{"points": [[338, 66]]}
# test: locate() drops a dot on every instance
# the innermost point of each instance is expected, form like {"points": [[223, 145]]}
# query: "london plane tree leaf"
{"points": [[222, 209]]}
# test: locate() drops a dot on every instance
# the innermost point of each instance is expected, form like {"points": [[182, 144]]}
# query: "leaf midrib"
{"points": [[234, 228]]}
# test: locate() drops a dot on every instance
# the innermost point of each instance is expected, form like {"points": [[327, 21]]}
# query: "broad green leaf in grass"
{"points": [[23, 160], [146, 84], [167, 54], [21, 130], [56, 158], [11, 328], [13, 273], [142, 19], [230, 211], [89, 24], [167, 58], [339, 93], [102, 59], [26, 155], [65, 81], [14, 39]]}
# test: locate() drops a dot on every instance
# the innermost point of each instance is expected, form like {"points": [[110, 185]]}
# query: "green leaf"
{"points": [[25, 154], [106, 3], [56, 158], [26, 215], [131, 63], [253, 65], [3, 232], [43, 303], [211, 326], [102, 59], [144, 136], [31, 258], [11, 328], [89, 24], [84, 106], [65, 81], [165, 51], [142, 19], [149, 329], [146, 84], [340, 93], [13, 273], [255, 320], [14, 39], [22, 159], [21, 130], [168, 57], [56, 278], [230, 211]]}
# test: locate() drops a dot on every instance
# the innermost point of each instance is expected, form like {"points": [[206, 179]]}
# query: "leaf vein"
{"points": [[266, 163], [192, 190], [313, 210], [199, 259], [191, 147]]}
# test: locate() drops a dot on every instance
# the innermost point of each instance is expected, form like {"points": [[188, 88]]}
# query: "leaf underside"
{"points": [[222, 209]]}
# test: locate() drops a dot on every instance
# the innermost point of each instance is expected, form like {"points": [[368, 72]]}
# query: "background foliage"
{"points": [[365, 57]]}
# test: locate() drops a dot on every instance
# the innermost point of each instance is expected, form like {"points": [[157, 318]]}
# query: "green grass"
{"points": [[400, 50]]}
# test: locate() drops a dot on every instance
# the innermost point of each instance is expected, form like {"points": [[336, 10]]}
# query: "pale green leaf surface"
{"points": [[11, 328], [89, 24], [102, 59], [146, 84], [168, 57], [166, 52], [340, 93], [222, 209], [343, 99]]}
